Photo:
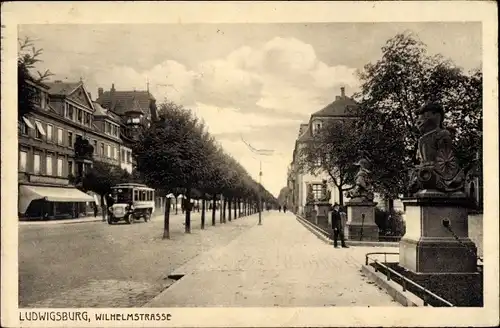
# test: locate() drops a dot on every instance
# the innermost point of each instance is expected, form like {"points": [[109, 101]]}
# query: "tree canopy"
{"points": [[177, 152], [27, 58], [396, 85], [384, 129]]}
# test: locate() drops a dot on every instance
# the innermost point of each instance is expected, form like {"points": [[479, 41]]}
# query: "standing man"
{"points": [[338, 229]]}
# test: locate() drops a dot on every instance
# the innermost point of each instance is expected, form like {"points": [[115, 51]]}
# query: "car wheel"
{"points": [[110, 221], [147, 217]]}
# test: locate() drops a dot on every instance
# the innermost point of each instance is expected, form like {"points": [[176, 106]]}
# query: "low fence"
{"points": [[325, 227], [405, 283]]}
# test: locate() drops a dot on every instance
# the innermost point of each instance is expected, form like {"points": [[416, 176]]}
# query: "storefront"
{"points": [[43, 202]]}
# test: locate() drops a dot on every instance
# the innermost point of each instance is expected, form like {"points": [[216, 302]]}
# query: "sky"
{"points": [[256, 81]]}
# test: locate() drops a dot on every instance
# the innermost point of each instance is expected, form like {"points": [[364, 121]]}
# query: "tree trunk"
{"points": [[229, 202], [221, 209], [176, 205], [214, 206], [391, 205], [203, 213], [239, 208], [166, 220], [236, 208], [103, 207], [187, 208], [224, 210], [341, 196]]}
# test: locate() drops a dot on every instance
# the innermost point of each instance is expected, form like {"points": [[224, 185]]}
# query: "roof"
{"points": [[337, 108], [62, 88], [123, 101], [303, 128], [103, 112]]}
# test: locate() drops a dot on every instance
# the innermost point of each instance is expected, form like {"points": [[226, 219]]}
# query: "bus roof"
{"points": [[131, 185]]}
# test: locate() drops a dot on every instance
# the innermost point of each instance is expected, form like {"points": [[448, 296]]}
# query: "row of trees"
{"points": [[385, 131], [177, 155]]}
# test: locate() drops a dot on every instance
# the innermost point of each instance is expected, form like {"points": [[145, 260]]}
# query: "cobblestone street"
{"points": [[98, 265]]}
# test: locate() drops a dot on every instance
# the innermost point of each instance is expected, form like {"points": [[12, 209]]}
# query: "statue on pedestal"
{"points": [[325, 193], [363, 189], [438, 170]]}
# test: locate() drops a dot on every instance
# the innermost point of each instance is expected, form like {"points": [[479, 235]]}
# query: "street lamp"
{"points": [[260, 152]]}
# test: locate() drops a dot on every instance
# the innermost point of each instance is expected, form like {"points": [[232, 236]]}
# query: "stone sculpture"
{"points": [[438, 171], [363, 190], [325, 193]]}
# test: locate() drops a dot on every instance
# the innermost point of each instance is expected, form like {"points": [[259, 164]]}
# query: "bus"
{"points": [[133, 201]]}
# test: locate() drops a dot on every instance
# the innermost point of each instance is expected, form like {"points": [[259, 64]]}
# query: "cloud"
{"points": [[224, 120]]}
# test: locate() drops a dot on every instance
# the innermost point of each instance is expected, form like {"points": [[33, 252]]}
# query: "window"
{"points": [[136, 195], [102, 150], [70, 167], [95, 146], [87, 119], [48, 165], [115, 153], [79, 114], [70, 139], [70, 112], [40, 132], [60, 167], [123, 155], [43, 100], [317, 189], [129, 155], [59, 136], [36, 164], [108, 150], [22, 161], [50, 128], [25, 124]]}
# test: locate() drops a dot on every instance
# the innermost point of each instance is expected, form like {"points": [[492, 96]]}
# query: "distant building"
{"points": [[299, 181], [136, 111]]}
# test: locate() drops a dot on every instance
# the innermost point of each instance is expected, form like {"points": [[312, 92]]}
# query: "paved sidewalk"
{"points": [[280, 263]]}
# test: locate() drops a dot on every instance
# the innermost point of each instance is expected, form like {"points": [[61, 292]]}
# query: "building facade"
{"points": [[49, 158], [342, 109]]}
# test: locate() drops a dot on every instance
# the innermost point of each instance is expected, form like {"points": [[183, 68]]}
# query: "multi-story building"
{"points": [[48, 158], [136, 111], [343, 108]]}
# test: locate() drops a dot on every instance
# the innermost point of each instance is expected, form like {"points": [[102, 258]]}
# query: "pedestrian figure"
{"points": [[284, 208], [95, 210], [338, 229], [280, 208]]}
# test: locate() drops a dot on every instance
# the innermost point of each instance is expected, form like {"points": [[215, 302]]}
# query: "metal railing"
{"points": [[404, 281]]}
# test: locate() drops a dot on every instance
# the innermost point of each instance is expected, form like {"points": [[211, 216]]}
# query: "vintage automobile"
{"points": [[133, 201]]}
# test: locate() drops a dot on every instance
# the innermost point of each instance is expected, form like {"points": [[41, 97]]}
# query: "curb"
{"points": [[405, 298], [320, 234], [54, 222]]}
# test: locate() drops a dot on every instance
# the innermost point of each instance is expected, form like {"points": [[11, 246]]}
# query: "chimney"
{"points": [[112, 87], [342, 92], [100, 91]]}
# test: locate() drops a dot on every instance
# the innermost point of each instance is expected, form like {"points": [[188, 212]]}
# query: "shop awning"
{"points": [[40, 128], [27, 194], [28, 123]]}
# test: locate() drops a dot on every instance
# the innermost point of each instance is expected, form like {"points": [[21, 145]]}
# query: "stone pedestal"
{"points": [[323, 211], [427, 246], [361, 227], [434, 257]]}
